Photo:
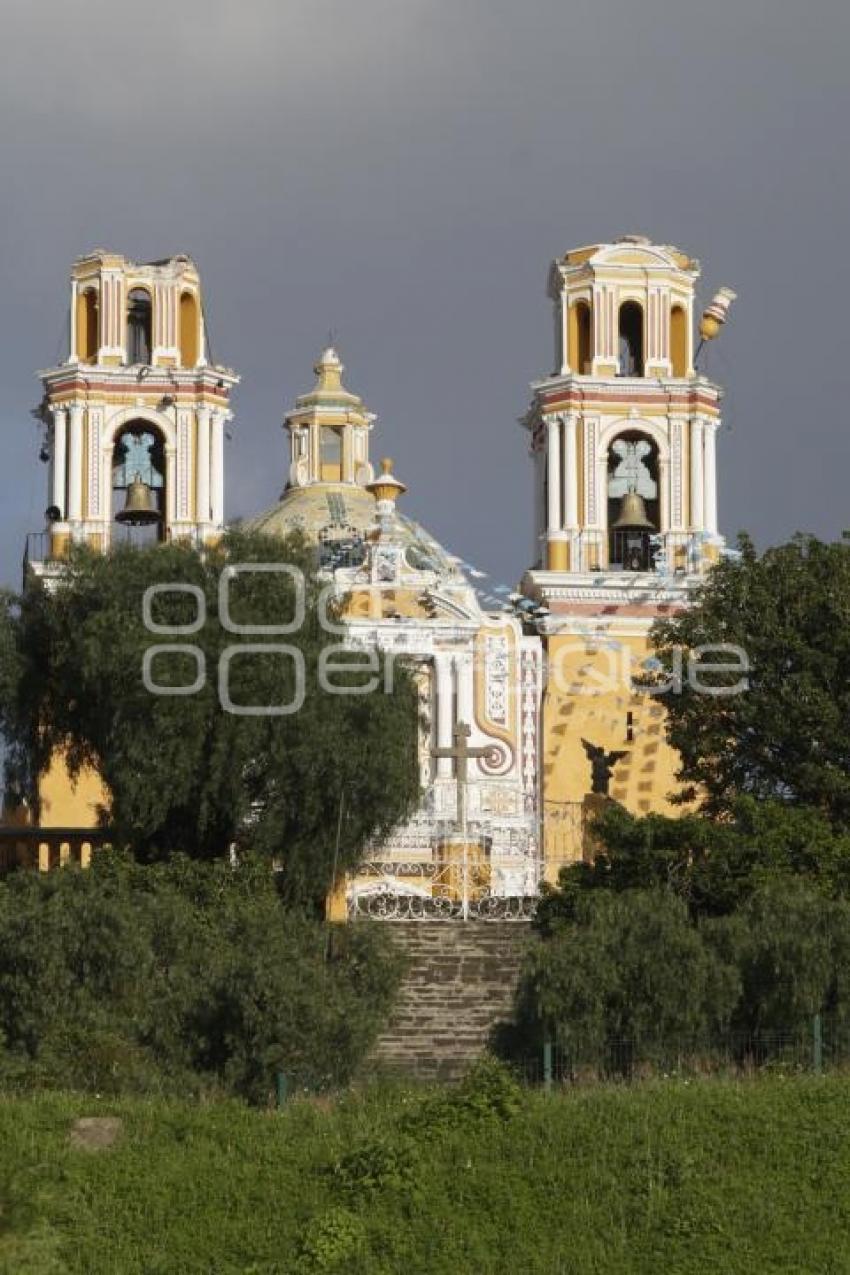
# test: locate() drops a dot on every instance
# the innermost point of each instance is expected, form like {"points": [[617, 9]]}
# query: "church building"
{"points": [[531, 713]]}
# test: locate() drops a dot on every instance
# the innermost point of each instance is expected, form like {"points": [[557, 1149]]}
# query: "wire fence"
{"points": [[821, 1045]]}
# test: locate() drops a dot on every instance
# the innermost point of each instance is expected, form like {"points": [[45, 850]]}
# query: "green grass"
{"points": [[663, 1178]]}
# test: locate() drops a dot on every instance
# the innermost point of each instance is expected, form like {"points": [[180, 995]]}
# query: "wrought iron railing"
{"points": [[463, 883], [39, 546]]}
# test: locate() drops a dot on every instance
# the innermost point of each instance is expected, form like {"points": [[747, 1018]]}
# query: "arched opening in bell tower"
{"points": [[679, 341], [634, 513], [189, 330], [139, 326], [138, 485], [87, 327], [580, 353], [330, 458], [630, 350]]}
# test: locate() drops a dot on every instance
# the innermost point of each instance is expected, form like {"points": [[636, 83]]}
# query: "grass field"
{"points": [[668, 1177]]}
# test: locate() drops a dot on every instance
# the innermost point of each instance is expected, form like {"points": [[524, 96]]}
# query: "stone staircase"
{"points": [[460, 983]]}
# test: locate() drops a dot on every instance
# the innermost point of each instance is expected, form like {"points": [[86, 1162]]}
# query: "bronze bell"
{"points": [[632, 516], [139, 508]]}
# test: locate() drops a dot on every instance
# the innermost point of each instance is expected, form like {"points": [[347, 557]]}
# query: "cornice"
{"points": [[606, 589]]}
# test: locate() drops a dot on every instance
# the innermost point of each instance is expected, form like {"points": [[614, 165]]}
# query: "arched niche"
{"points": [[138, 452], [634, 477], [330, 453], [679, 340], [88, 336], [190, 334], [139, 326], [580, 350], [630, 350]]}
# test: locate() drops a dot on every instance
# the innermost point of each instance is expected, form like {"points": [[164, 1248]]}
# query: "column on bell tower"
{"points": [[709, 464], [697, 476], [561, 479], [556, 556]]}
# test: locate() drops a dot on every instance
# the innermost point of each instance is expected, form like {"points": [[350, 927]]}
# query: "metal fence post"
{"points": [[817, 1044], [281, 1088], [547, 1064]]}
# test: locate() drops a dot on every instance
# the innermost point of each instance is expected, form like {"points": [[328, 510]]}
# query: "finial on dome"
{"points": [[714, 316], [716, 313], [328, 369], [386, 487]]}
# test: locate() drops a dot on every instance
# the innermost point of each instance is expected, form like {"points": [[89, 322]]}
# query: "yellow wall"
{"points": [[579, 352], [643, 780], [87, 334], [557, 555], [67, 803], [679, 341], [189, 330]]}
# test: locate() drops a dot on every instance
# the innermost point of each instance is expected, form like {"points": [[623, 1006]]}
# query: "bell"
{"points": [[139, 507], [632, 514]]}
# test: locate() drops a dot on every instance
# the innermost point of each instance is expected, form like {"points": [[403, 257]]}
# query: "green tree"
{"points": [[714, 865], [786, 737], [627, 967], [181, 976], [791, 947], [184, 774]]}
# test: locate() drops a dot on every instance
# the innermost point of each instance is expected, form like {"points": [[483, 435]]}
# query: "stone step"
{"points": [[459, 984]]}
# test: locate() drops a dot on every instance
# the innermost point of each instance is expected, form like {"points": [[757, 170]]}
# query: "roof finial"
{"points": [[328, 369], [386, 489]]}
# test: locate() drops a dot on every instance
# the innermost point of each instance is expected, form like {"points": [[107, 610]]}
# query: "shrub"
{"points": [[630, 967], [179, 976], [791, 947], [331, 1241]]}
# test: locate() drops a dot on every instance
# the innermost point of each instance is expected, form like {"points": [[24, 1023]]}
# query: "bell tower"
{"points": [[623, 432], [623, 442], [134, 417]]}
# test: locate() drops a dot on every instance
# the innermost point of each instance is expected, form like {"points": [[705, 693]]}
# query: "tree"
{"points": [[184, 773], [181, 976], [786, 737], [791, 947], [713, 865], [628, 967]]}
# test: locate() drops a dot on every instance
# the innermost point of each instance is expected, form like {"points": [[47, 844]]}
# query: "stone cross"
{"points": [[462, 754]]}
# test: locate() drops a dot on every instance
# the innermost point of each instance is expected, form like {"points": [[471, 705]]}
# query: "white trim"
{"points": [[443, 711], [203, 497], [644, 425], [553, 460], [60, 461], [697, 476], [710, 476], [117, 420], [75, 463], [571, 475], [217, 468]]}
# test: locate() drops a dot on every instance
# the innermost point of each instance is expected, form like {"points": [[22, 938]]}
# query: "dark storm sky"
{"points": [[403, 171]]}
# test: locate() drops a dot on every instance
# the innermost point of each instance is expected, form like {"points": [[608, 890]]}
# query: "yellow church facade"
{"points": [[530, 712]]}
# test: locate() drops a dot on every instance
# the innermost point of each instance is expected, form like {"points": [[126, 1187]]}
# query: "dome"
{"points": [[337, 516]]}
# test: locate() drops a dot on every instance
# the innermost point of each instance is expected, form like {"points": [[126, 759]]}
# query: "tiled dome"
{"points": [[341, 514]]}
